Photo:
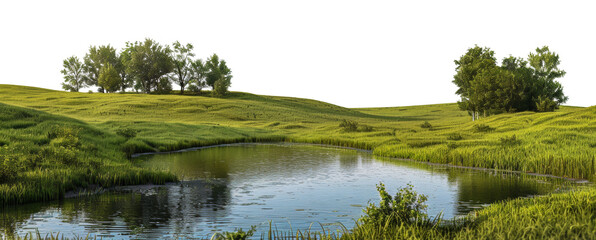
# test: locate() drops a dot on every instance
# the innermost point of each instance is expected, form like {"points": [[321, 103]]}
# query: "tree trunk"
{"points": [[181, 89]]}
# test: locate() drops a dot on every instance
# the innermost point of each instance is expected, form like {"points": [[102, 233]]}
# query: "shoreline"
{"points": [[575, 180]]}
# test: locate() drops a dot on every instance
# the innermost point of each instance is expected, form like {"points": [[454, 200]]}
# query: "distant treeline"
{"points": [[147, 67], [516, 85]]}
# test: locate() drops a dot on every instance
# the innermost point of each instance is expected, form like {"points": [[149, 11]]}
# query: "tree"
{"points": [[217, 70], [546, 69], [109, 79], [220, 87], [74, 75], [199, 72], [475, 60], [127, 80], [514, 86], [521, 86], [149, 61], [182, 64], [95, 59], [493, 89]]}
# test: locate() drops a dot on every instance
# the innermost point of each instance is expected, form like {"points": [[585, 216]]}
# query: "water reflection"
{"points": [[244, 185]]}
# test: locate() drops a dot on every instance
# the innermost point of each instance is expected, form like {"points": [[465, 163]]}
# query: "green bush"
{"points": [[510, 141], [455, 137], [65, 132], [194, 89], [220, 87], [127, 132], [349, 125], [407, 207], [60, 154], [426, 124], [8, 168], [544, 104], [483, 128], [364, 128], [164, 86], [236, 235]]}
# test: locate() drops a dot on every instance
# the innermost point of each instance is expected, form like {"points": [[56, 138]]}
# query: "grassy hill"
{"points": [[52, 142], [561, 143], [42, 156]]}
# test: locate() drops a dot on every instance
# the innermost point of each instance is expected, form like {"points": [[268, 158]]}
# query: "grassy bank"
{"points": [[556, 216], [45, 155], [561, 143], [52, 142]]}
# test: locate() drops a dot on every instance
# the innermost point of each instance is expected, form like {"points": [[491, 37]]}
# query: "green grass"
{"points": [[557, 216], [561, 143], [86, 149], [44, 155]]}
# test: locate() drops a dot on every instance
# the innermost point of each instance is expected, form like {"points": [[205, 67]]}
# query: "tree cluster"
{"points": [[516, 85], [147, 67]]}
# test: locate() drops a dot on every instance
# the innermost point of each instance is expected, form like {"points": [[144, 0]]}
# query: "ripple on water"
{"points": [[291, 185]]}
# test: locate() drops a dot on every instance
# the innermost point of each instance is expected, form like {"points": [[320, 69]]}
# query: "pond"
{"points": [[291, 185]]}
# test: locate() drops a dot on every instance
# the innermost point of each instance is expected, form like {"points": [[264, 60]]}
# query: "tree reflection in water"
{"points": [[243, 185]]}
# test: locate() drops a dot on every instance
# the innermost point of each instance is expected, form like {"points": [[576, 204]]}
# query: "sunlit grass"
{"points": [[561, 143]]}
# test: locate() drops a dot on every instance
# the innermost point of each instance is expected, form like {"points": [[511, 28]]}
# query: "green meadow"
{"points": [[52, 142]]}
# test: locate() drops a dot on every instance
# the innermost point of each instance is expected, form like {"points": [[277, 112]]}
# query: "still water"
{"points": [[291, 185]]}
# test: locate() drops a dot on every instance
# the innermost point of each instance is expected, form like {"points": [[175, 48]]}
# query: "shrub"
{"points": [[455, 137], [349, 125], [482, 128], [127, 132], [220, 87], [60, 154], [544, 104], [509, 141], [8, 168], [164, 86], [274, 124], [236, 235], [62, 132], [64, 137], [194, 89], [426, 124], [406, 207], [364, 128]]}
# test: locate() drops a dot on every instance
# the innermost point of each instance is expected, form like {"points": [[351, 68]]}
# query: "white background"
{"points": [[350, 53]]}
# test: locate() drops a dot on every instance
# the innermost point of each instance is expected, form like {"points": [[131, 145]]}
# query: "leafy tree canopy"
{"points": [[109, 79], [516, 85], [74, 75], [149, 61]]}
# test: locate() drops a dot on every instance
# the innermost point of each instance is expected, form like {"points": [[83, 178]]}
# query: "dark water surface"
{"points": [[292, 185]]}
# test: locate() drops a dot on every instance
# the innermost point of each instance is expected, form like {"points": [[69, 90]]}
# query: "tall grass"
{"points": [[41, 163], [53, 155], [561, 143], [568, 215]]}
